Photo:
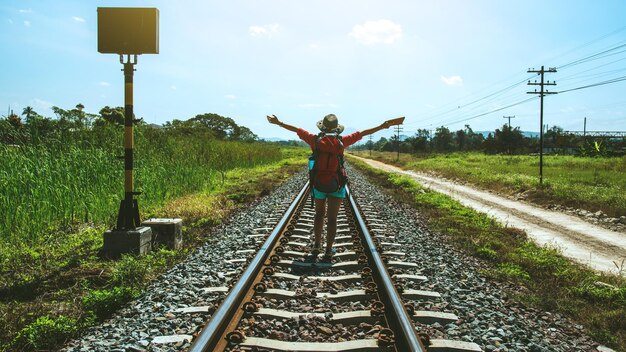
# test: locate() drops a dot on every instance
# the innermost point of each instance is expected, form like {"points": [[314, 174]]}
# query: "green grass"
{"points": [[549, 280], [582, 182], [44, 188], [54, 285]]}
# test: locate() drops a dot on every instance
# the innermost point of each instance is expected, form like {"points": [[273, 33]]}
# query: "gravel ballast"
{"points": [[486, 314]]}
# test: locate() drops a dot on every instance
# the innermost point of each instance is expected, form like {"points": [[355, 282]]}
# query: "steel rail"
{"points": [[211, 335], [400, 321]]}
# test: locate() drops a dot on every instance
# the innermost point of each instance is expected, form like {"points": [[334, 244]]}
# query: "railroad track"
{"points": [[365, 299]]}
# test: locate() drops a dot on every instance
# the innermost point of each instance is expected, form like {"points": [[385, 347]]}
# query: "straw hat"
{"points": [[330, 124]]}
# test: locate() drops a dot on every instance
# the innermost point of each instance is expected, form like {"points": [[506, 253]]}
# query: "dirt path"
{"points": [[599, 248]]}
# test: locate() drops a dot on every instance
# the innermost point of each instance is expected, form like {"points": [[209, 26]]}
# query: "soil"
{"points": [[589, 238]]}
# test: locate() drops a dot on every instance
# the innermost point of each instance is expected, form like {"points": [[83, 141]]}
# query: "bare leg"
{"points": [[318, 225], [331, 227]]}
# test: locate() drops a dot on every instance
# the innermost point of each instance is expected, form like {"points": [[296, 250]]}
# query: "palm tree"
{"points": [[28, 111]]}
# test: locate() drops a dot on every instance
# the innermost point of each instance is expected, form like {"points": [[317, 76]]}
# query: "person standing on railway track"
{"points": [[327, 146]]}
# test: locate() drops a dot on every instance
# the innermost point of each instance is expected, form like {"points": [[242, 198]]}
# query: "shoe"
{"points": [[317, 248], [328, 255]]}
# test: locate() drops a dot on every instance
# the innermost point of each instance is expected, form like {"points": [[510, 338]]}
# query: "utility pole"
{"points": [[541, 93], [398, 130], [585, 128], [371, 144], [509, 117]]}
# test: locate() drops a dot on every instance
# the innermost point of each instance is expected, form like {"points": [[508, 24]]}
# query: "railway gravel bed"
{"points": [[157, 320], [487, 315]]}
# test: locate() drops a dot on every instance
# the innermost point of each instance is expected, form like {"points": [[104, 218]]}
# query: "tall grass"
{"points": [[47, 187]]}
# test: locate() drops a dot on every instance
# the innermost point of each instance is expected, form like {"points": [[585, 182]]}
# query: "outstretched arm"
{"points": [[274, 120], [383, 125]]}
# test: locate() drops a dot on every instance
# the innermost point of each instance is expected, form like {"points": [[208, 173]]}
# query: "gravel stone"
{"points": [[487, 316]]}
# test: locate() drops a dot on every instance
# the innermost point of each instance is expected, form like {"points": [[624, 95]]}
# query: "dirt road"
{"points": [[594, 246]]}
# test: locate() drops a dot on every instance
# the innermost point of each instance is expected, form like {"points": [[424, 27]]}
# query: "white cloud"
{"points": [[452, 80], [229, 96], [377, 32], [78, 19], [104, 84], [267, 30], [25, 11], [27, 23], [39, 104], [314, 46]]}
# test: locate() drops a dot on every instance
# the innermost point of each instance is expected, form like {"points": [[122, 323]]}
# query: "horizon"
{"points": [[446, 64]]}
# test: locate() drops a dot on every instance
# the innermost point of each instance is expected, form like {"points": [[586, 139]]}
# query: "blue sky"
{"points": [[435, 62]]}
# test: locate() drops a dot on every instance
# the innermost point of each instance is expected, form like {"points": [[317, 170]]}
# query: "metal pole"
{"points": [[398, 150], [541, 131], [509, 117], [128, 215], [585, 128], [541, 127]]}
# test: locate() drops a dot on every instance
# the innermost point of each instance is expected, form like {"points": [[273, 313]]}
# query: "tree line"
{"points": [[504, 140], [76, 125]]}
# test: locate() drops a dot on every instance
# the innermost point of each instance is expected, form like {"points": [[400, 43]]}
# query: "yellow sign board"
{"points": [[128, 30]]}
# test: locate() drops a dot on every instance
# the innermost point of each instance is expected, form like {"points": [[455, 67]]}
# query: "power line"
{"points": [[614, 80], [595, 56], [492, 111], [503, 90], [614, 49]]}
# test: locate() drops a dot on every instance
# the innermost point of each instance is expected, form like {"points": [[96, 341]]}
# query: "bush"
{"points": [[599, 292], [513, 271], [487, 253], [130, 270], [45, 333], [104, 302]]}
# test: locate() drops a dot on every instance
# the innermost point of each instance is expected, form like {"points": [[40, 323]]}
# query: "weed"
{"points": [[599, 291], [104, 302], [45, 333], [513, 271], [130, 270], [486, 253]]}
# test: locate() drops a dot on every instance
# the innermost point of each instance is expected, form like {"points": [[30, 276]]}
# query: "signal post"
{"points": [[128, 32]]}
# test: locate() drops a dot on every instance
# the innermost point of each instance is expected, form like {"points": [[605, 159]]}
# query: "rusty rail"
{"points": [[400, 322], [228, 315], [210, 338]]}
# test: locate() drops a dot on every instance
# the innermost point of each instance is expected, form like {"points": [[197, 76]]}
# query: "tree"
{"points": [[28, 111], [443, 140], [222, 127], [473, 140], [108, 115], [419, 142], [246, 135], [508, 140]]}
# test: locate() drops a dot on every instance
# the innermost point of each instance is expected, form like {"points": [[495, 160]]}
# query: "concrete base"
{"points": [[168, 232], [118, 242]]}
